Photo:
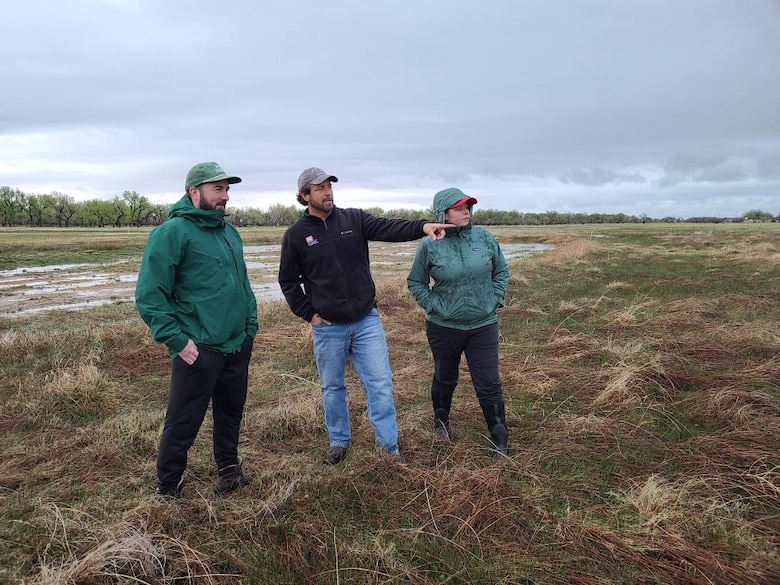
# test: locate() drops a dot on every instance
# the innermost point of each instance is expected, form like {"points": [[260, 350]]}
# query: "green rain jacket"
{"points": [[193, 282], [468, 270]]}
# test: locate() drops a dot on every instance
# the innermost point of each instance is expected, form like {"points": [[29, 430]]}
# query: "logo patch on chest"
{"points": [[311, 241]]}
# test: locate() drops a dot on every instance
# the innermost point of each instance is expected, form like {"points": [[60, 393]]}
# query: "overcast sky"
{"points": [[657, 107]]}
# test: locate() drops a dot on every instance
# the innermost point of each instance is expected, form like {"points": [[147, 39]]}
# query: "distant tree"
{"points": [[97, 213], [159, 214], [281, 215], [119, 211], [243, 217], [545, 218], [141, 209], [704, 219], [11, 209], [87, 216], [495, 217], [48, 209], [31, 207], [38, 209], [758, 215], [64, 208]]}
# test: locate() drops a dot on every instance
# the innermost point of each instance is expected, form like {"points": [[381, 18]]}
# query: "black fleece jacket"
{"points": [[325, 268]]}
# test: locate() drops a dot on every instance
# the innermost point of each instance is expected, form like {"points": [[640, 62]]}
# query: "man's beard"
{"points": [[325, 206], [204, 203]]}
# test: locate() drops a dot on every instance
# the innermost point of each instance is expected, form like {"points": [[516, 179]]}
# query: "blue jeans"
{"points": [[364, 343]]}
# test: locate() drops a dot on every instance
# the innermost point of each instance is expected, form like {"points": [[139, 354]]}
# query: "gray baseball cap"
{"points": [[314, 176]]}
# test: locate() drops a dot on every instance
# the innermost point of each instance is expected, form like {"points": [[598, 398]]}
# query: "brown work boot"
{"points": [[231, 478], [334, 455]]}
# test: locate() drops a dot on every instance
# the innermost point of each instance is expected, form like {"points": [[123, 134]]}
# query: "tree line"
{"points": [[133, 209]]}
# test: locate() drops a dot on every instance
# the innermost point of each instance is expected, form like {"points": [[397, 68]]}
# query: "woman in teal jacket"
{"points": [[470, 277]]}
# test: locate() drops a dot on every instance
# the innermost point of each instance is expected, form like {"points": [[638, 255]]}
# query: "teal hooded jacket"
{"points": [[468, 272], [193, 282]]}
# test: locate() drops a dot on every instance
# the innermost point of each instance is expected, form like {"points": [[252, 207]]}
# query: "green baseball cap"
{"points": [[207, 172]]}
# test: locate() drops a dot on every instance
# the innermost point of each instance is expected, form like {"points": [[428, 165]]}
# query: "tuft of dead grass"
{"points": [[123, 552]]}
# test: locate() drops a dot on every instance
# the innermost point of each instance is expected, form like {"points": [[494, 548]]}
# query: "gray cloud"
{"points": [[596, 176], [652, 102], [726, 166]]}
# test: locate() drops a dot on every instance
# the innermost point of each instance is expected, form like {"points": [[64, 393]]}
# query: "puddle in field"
{"points": [[524, 250], [25, 291]]}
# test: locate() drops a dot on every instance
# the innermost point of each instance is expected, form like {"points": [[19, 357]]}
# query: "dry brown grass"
{"points": [[644, 430]]}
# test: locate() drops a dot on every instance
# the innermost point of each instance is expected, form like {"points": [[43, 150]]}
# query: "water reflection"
{"points": [[524, 250], [28, 290]]}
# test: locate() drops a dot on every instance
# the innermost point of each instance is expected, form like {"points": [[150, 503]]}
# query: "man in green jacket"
{"points": [[194, 294]]}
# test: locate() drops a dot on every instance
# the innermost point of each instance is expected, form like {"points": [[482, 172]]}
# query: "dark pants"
{"points": [[221, 379], [481, 349]]}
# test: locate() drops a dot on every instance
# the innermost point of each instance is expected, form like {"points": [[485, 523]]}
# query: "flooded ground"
{"points": [[25, 291]]}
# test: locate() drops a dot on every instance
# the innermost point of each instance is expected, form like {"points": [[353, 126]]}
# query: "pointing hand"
{"points": [[436, 230]]}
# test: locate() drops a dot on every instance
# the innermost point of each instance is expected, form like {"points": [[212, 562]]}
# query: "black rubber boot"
{"points": [[441, 424], [495, 417], [441, 416]]}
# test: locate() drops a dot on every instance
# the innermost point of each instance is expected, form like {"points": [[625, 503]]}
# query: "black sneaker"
{"points": [[231, 478], [334, 455], [170, 491]]}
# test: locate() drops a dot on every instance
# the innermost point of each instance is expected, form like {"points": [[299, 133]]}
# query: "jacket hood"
{"points": [[445, 199], [207, 218]]}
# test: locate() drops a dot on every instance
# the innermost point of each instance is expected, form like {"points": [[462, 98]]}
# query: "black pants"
{"points": [[481, 349], [221, 379]]}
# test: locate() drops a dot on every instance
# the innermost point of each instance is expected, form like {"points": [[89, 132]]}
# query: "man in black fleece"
{"points": [[325, 276]]}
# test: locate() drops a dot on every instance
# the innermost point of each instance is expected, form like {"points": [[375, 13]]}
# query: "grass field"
{"points": [[641, 368]]}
